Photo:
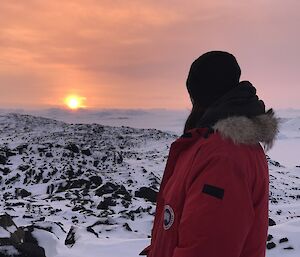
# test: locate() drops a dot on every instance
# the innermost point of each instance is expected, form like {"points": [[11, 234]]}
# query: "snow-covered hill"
{"points": [[90, 189]]}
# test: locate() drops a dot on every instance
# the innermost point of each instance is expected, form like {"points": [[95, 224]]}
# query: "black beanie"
{"points": [[211, 76]]}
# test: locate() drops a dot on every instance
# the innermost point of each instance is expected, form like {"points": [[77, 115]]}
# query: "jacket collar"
{"points": [[243, 130], [240, 129]]}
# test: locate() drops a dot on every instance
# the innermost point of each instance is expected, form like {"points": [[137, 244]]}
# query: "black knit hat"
{"points": [[211, 76]]}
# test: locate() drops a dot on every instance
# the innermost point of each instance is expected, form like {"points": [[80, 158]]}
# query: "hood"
{"points": [[241, 116], [243, 130]]}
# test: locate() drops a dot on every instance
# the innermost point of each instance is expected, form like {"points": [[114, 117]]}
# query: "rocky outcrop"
{"points": [[147, 193], [17, 241]]}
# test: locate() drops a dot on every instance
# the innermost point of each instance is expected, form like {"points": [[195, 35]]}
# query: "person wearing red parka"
{"points": [[213, 198]]}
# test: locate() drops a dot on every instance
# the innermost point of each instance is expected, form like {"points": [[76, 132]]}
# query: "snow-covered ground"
{"points": [[57, 164]]}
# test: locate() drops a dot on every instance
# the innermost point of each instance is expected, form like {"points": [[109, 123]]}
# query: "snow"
{"points": [[11, 229], [286, 151], [112, 247], [48, 241], [4, 233], [290, 230]]}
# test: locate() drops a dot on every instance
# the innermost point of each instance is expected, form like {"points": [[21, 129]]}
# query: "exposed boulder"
{"points": [[96, 181], [118, 158], [283, 240], [79, 183], [22, 192], [86, 152], [72, 147], [108, 201], [270, 237], [127, 227], [146, 193], [22, 148], [123, 192], [271, 245], [71, 237], [107, 188], [23, 167], [3, 159], [271, 222], [49, 154], [18, 241], [5, 171]]}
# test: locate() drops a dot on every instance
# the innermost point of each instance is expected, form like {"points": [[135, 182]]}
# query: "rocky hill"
{"points": [[59, 181]]}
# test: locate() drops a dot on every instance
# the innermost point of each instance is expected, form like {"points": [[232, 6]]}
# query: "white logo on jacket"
{"points": [[168, 217]]}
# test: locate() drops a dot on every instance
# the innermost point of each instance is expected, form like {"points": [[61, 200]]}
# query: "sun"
{"points": [[74, 102]]}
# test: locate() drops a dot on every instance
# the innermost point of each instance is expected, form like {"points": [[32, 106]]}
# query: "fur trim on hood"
{"points": [[242, 130]]}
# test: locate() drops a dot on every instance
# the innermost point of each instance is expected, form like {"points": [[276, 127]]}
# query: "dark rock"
{"points": [[7, 195], [21, 239], [86, 152], [49, 155], [96, 180], [21, 148], [127, 227], [118, 158], [15, 237], [91, 230], [103, 159], [3, 159], [108, 201], [270, 237], [30, 250], [30, 246], [22, 192], [107, 188], [288, 248], [79, 183], [6, 221], [96, 163], [9, 153], [23, 167], [78, 208], [125, 203], [27, 217], [5, 171], [122, 191], [282, 240], [146, 193], [62, 187], [71, 239], [271, 222], [50, 189], [271, 245], [72, 147], [70, 172], [16, 204], [42, 149]]}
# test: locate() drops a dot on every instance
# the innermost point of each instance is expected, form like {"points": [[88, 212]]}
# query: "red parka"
{"points": [[213, 199]]}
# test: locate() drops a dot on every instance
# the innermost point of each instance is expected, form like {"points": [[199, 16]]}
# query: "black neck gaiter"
{"points": [[240, 101]]}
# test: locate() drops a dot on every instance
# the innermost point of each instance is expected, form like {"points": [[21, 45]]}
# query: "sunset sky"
{"points": [[137, 53]]}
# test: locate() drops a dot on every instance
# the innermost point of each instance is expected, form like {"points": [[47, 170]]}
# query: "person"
{"points": [[213, 198]]}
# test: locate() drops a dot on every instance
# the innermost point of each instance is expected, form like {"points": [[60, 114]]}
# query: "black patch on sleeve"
{"points": [[213, 191]]}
